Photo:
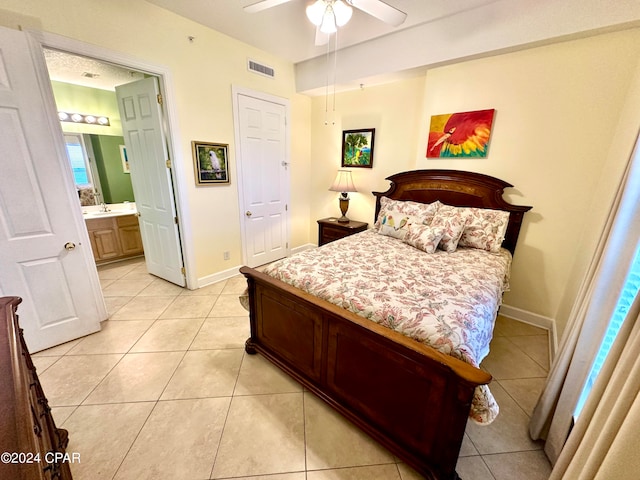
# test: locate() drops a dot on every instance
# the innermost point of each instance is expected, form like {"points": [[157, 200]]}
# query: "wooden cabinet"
{"points": [[129, 235], [114, 238], [32, 447], [329, 229]]}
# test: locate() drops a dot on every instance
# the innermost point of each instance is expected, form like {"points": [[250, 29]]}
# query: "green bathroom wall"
{"points": [[116, 184]]}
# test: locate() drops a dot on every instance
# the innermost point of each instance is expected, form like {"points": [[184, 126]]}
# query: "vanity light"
{"points": [[81, 118]]}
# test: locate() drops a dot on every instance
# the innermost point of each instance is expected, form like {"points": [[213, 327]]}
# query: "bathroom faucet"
{"points": [[104, 207]]}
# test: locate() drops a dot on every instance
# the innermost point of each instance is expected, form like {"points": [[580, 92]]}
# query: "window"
{"points": [[627, 295], [79, 161]]}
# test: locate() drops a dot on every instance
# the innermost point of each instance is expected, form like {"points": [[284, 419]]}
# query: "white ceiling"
{"points": [[436, 32], [77, 70], [284, 30]]}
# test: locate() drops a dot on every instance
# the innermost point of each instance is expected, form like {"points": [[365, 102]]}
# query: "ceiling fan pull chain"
{"points": [[326, 91], [335, 70]]}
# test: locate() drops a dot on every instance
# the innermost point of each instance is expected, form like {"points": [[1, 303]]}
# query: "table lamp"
{"points": [[343, 184]]}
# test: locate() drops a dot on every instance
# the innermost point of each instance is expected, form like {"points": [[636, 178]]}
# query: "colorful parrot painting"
{"points": [[460, 135]]}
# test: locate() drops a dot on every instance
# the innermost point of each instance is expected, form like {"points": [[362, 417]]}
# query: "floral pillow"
{"points": [[424, 237], [452, 221], [485, 229], [423, 211], [396, 224]]}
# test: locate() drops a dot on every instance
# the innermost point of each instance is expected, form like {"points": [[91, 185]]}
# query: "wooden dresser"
{"points": [[31, 447]]}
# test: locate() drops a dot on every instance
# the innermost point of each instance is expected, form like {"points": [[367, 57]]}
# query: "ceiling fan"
{"points": [[327, 15]]}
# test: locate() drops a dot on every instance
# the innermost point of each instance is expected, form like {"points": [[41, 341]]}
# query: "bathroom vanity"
{"points": [[115, 233]]}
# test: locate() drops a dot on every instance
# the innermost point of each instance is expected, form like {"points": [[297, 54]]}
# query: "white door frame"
{"points": [[178, 170], [235, 92]]}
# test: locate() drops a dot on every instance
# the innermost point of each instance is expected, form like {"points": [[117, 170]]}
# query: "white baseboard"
{"points": [[218, 277], [536, 320], [232, 272]]}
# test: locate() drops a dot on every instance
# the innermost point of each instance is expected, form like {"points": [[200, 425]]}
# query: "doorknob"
{"points": [[248, 213], [69, 246]]}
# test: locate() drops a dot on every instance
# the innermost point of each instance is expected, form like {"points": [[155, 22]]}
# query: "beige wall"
{"points": [[558, 110], [562, 132], [393, 111], [203, 72]]}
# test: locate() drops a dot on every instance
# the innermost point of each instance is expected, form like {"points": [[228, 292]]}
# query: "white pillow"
{"points": [[485, 230], [423, 211], [452, 221], [396, 224], [424, 237]]}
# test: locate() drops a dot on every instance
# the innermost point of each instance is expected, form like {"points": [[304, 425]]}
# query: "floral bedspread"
{"points": [[446, 300]]}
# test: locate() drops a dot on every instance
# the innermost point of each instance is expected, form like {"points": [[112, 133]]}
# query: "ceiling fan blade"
{"points": [[380, 10], [321, 37], [263, 5]]}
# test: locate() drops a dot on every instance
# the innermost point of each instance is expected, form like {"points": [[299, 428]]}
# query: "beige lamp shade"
{"points": [[343, 182]]}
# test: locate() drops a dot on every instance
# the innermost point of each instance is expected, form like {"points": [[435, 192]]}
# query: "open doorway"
{"points": [[119, 205]]}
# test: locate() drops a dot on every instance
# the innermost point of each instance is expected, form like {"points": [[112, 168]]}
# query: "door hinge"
{"points": [[159, 97], [183, 271], [168, 163], [175, 219], [286, 208]]}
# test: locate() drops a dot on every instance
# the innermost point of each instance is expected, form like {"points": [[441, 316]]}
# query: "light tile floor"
{"points": [[165, 391]]}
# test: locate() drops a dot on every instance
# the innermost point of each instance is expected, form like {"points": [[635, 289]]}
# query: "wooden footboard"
{"points": [[412, 399]]}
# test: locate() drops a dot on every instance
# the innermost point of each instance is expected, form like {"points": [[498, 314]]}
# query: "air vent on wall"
{"points": [[260, 69]]}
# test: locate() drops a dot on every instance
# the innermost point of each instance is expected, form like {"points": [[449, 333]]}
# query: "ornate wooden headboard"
{"points": [[457, 188]]}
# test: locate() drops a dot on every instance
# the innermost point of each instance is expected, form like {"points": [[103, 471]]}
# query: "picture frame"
{"points": [[357, 148], [125, 159], [211, 163], [460, 135]]}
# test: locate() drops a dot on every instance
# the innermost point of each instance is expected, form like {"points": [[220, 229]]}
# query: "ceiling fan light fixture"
{"points": [[316, 12], [342, 12], [328, 22]]}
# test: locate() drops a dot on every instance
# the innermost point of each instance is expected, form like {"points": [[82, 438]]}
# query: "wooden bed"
{"points": [[417, 402]]}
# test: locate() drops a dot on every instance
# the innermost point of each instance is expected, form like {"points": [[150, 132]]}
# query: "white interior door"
{"points": [[263, 152], [141, 115], [39, 211]]}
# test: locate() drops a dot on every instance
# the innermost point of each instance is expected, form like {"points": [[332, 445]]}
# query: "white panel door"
{"points": [[144, 138], [263, 151], [39, 209]]}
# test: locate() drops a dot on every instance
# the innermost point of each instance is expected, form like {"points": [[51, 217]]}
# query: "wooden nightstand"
{"points": [[329, 229]]}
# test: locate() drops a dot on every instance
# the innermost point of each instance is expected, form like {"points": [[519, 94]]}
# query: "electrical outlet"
{"points": [[226, 255]]}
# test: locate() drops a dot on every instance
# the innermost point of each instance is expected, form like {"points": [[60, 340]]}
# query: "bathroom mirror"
{"points": [[100, 169]]}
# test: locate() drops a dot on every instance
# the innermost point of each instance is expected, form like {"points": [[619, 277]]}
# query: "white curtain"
{"points": [[604, 443], [594, 306]]}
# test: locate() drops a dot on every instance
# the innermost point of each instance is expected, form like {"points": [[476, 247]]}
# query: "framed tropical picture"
{"points": [[357, 147], [210, 162]]}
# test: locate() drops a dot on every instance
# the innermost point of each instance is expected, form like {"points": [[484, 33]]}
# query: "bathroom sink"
{"points": [[115, 210], [112, 213]]}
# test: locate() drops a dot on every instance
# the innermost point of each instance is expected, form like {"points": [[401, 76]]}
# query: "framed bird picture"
{"points": [[211, 163], [460, 135]]}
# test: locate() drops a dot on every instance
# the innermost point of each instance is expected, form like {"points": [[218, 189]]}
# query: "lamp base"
{"points": [[344, 206]]}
